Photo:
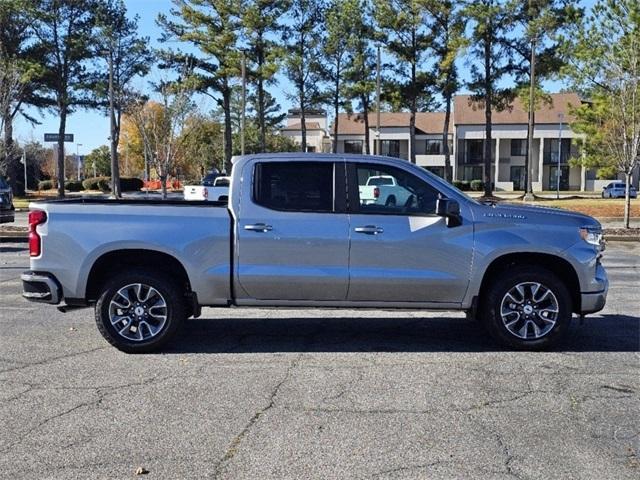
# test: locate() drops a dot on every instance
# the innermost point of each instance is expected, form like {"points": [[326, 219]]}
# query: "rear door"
{"points": [[404, 252], [293, 231]]}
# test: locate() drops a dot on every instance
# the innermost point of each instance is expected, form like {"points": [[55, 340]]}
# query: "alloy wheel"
{"points": [[529, 310], [138, 312]]}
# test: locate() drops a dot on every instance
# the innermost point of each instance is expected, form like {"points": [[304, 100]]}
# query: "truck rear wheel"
{"points": [[140, 310], [527, 308]]}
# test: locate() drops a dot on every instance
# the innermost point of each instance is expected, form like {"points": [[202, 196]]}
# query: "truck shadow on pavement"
{"points": [[605, 333]]}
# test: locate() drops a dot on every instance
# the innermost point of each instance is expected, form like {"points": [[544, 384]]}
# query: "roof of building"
{"points": [[426, 122], [298, 126], [467, 112], [295, 112]]}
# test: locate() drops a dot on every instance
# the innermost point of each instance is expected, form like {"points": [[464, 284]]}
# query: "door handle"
{"points": [[259, 227], [369, 230]]}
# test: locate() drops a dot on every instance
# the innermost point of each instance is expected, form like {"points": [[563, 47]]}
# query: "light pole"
{"points": [[560, 118], [377, 149], [78, 145]]}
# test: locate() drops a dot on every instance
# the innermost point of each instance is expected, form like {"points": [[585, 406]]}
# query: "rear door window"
{"points": [[294, 186]]}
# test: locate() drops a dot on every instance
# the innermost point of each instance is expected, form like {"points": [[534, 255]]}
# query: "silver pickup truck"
{"points": [[295, 234]]}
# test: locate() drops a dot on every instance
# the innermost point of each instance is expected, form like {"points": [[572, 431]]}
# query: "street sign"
{"points": [[53, 137]]}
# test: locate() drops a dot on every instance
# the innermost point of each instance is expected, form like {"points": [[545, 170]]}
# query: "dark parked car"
{"points": [[6, 202]]}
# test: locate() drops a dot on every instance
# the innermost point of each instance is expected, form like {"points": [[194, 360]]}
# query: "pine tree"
{"points": [[302, 40], [448, 25], [63, 33], [126, 56], [213, 27], [403, 24], [489, 37], [361, 67], [261, 21]]}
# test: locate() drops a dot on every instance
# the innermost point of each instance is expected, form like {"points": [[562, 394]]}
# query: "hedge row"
{"points": [[103, 184], [464, 185], [97, 183]]}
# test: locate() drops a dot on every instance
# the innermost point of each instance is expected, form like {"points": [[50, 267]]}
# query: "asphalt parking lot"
{"points": [[319, 394]]}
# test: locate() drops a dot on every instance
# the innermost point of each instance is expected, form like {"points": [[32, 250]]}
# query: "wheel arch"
{"points": [[110, 261], [557, 265]]}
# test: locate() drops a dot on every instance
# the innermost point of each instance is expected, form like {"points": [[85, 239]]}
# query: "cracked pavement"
{"points": [[275, 394]]}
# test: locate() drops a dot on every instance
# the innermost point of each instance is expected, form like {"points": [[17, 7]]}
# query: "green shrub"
{"points": [[73, 185], [477, 185], [45, 184], [97, 183], [461, 184], [128, 184]]}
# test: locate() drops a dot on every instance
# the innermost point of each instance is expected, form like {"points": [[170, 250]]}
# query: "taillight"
{"points": [[36, 217], [376, 192]]}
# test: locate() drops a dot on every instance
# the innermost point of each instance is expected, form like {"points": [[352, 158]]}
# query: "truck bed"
{"points": [[79, 231]]}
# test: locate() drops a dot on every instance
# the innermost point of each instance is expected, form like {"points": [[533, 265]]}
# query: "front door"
{"points": [[293, 234], [402, 251], [517, 177], [564, 177]]}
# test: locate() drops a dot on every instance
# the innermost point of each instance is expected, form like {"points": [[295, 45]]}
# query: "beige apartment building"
{"points": [[555, 144]]}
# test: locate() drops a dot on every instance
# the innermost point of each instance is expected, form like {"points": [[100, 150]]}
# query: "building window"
{"points": [[518, 147], [550, 154], [294, 186], [390, 148], [434, 147], [472, 173], [475, 151], [353, 146]]}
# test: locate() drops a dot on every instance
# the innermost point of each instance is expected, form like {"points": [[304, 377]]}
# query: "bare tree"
{"points": [[164, 126]]}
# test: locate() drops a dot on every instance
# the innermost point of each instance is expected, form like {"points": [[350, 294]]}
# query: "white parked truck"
{"points": [[219, 192]]}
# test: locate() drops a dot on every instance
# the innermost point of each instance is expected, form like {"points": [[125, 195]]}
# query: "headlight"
{"points": [[592, 235]]}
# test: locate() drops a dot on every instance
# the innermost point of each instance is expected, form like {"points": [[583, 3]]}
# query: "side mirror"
{"points": [[450, 210]]}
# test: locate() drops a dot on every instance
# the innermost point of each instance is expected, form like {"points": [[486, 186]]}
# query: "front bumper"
{"points": [[591, 302], [41, 287]]}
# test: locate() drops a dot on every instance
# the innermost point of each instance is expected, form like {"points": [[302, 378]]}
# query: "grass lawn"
{"points": [[596, 207]]}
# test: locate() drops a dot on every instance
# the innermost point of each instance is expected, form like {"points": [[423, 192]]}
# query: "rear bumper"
{"points": [[41, 287]]}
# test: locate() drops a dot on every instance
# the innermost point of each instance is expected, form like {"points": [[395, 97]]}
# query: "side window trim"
{"points": [[353, 193]]}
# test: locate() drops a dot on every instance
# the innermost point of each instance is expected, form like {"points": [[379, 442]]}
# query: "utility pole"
{"points": [[244, 102], [115, 171], [528, 195], [377, 149]]}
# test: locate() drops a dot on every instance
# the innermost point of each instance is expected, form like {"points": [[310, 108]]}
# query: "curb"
{"points": [[621, 238]]}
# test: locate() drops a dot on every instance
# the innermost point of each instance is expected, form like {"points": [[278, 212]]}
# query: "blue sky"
{"points": [[91, 128]]}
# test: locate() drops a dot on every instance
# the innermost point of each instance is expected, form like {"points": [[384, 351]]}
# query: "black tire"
{"points": [[391, 201], [174, 312], [491, 302]]}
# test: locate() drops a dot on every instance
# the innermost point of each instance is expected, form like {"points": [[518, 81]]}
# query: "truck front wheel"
{"points": [[527, 308], [139, 311]]}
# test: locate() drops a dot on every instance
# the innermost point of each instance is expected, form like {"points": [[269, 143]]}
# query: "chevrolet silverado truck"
{"points": [[296, 234]]}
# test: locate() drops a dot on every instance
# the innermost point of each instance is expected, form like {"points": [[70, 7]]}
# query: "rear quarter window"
{"points": [[294, 186]]}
